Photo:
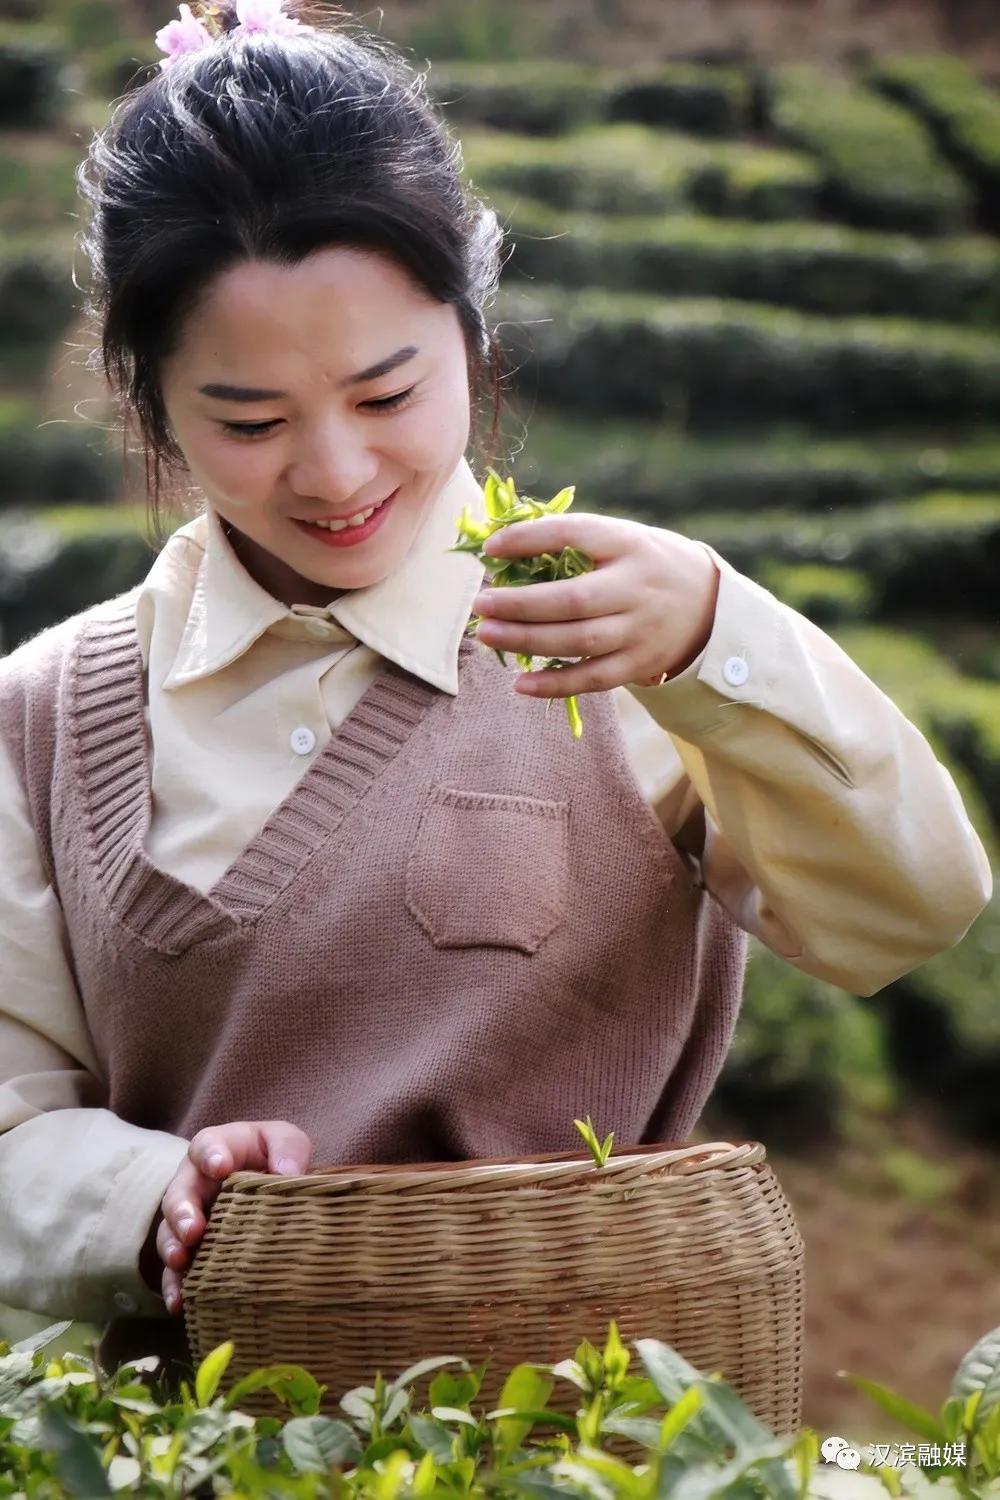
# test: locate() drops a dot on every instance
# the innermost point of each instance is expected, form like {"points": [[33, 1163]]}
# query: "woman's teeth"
{"points": [[358, 520]]}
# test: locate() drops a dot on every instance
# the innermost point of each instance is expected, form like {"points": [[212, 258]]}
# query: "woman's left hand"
{"points": [[646, 608]]}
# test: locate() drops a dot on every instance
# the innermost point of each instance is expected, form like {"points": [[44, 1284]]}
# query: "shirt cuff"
{"points": [[736, 667]]}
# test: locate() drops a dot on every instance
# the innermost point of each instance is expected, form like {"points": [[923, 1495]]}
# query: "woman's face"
{"points": [[299, 437]]}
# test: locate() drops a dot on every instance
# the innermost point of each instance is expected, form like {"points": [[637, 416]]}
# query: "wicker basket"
{"points": [[353, 1270]]}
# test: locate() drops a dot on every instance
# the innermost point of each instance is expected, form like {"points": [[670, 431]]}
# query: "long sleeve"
{"points": [[825, 824], [78, 1186]]}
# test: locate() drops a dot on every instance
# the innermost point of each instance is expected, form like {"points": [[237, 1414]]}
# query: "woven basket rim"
{"points": [[499, 1171]]}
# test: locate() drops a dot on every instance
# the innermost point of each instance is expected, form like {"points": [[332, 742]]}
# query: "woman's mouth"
{"points": [[348, 533]]}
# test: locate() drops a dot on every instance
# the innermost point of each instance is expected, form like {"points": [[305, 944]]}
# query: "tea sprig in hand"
{"points": [[632, 603], [504, 508]]}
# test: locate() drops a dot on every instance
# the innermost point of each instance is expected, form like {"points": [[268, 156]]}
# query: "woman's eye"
{"points": [[389, 403], [257, 429], [249, 429]]}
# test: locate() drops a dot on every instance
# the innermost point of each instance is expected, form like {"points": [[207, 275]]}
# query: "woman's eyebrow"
{"points": [[251, 393]]}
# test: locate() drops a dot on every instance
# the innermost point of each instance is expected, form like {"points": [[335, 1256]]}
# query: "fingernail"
{"points": [[288, 1168], [216, 1160], [173, 1302], [185, 1226]]}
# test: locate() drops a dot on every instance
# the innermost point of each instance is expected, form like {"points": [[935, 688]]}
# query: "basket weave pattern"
{"points": [[353, 1270]]}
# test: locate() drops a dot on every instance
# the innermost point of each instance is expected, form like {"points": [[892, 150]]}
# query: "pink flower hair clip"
{"points": [[193, 32]]}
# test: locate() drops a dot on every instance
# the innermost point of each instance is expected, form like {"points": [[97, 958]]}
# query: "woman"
{"points": [[296, 873]]}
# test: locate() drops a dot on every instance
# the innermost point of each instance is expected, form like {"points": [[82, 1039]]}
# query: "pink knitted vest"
{"points": [[459, 932]]}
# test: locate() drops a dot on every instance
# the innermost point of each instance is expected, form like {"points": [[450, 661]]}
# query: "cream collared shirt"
{"points": [[810, 807]]}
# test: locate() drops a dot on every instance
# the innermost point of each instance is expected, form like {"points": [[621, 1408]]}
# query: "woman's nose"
{"points": [[334, 469]]}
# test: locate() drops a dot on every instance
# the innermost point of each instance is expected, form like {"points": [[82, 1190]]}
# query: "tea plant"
{"points": [[503, 507], [599, 1150], [67, 1429]]}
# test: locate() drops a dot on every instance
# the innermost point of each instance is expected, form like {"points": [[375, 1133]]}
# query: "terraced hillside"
{"points": [[756, 306]]}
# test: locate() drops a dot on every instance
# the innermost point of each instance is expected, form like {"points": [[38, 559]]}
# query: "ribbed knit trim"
{"points": [[108, 728]]}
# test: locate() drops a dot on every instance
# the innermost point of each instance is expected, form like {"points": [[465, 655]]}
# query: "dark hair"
{"points": [[269, 147]]}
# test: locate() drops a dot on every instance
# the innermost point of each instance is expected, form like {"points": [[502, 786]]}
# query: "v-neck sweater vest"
{"points": [[459, 932]]}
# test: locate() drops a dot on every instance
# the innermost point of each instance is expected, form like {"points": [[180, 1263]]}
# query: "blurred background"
{"points": [[753, 296]]}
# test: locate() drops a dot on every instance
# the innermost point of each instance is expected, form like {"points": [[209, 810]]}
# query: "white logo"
{"points": [[837, 1450]]}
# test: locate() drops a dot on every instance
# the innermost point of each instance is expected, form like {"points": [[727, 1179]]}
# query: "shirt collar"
{"points": [[416, 616]]}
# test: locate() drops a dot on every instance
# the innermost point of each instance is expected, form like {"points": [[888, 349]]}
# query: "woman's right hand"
{"points": [[214, 1153]]}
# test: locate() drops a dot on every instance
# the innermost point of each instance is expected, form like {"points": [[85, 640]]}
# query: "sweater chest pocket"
{"points": [[489, 869]]}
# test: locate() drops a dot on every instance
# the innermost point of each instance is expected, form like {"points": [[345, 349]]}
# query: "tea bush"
{"points": [[935, 552], [646, 468], [64, 561], [822, 268], [548, 95], [943, 1030], [714, 101], [31, 60], [710, 362], [962, 112], [825, 594], [629, 168], [44, 462], [805, 1055], [68, 1429], [36, 295], [883, 170]]}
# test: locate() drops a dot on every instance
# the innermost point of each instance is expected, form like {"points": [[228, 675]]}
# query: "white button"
{"points": [[302, 740], [735, 671], [126, 1301]]}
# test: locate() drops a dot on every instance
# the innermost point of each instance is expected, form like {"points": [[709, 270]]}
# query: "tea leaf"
{"points": [[77, 1461], [527, 1387], [290, 1383], [453, 1414], [913, 1417], [980, 1370], [505, 508], [562, 501], [211, 1371], [314, 1443], [434, 1437], [38, 1340], [425, 1479], [423, 1367]]}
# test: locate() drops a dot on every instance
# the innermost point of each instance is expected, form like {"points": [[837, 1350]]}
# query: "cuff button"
{"points": [[125, 1301], [735, 671]]}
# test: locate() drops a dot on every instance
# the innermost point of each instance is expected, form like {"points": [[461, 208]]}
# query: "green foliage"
{"points": [[37, 297], [600, 1150], [59, 562], [37, 183], [926, 555], [962, 111], [714, 101], [68, 1429], [120, 65], [541, 95], [632, 169], [955, 712], [804, 1056], [31, 60], [882, 168], [646, 468], [825, 593], [699, 362], [824, 268], [504, 507], [536, 96], [47, 461], [487, 32]]}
